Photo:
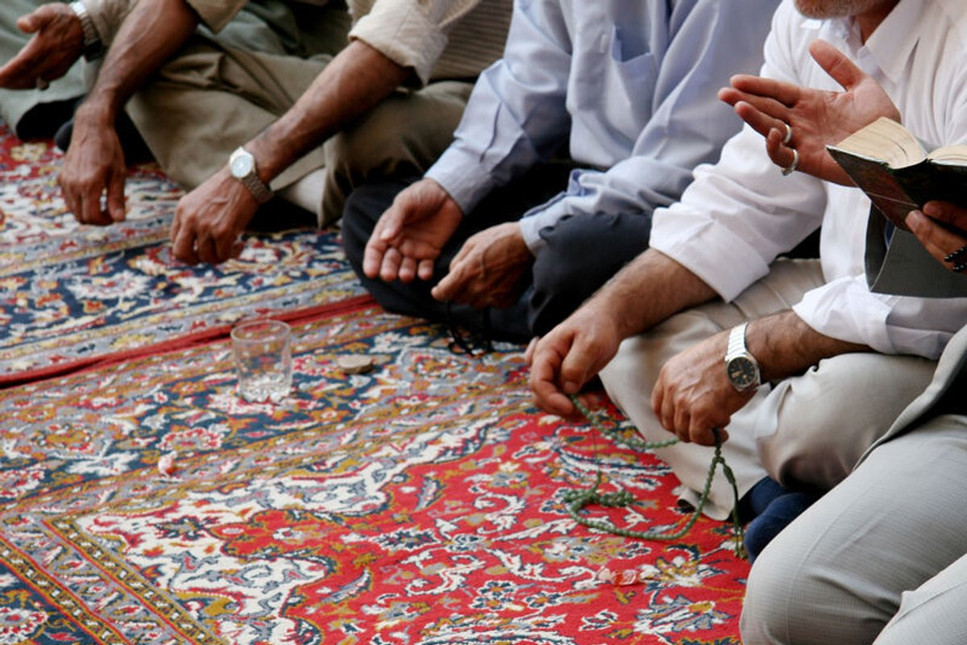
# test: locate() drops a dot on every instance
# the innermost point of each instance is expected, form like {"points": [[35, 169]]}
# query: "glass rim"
{"points": [[273, 328]]}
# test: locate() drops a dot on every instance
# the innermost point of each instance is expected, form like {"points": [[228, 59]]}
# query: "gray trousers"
{"points": [[808, 431], [880, 558], [885, 545]]}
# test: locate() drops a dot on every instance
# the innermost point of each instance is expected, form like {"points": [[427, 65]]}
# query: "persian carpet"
{"points": [[73, 295], [419, 503]]}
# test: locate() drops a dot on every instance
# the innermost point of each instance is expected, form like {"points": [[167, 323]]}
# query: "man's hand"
{"points": [[693, 394], [209, 220], [817, 118], [57, 44], [942, 228], [411, 234], [94, 165], [649, 289], [570, 355], [488, 270]]}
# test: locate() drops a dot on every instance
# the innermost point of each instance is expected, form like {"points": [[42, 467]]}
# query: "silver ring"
{"points": [[791, 168], [42, 83], [786, 139]]}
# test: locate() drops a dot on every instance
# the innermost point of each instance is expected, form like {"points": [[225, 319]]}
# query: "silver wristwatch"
{"points": [[242, 166], [741, 366], [93, 47]]}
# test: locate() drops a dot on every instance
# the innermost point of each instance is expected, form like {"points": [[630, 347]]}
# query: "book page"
{"points": [[886, 140], [953, 154]]}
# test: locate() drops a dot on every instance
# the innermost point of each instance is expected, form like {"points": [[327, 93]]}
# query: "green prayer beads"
{"points": [[578, 500]]}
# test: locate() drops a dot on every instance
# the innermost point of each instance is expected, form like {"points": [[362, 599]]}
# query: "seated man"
{"points": [[628, 92], [829, 578], [788, 346], [211, 98], [43, 46], [858, 566]]}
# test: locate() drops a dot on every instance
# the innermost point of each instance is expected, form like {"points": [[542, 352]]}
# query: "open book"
{"points": [[890, 165]]}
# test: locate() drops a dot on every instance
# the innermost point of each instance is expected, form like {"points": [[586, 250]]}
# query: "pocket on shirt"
{"points": [[632, 74]]}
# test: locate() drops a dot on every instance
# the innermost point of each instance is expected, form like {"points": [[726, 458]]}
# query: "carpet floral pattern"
{"points": [[418, 503], [73, 295]]}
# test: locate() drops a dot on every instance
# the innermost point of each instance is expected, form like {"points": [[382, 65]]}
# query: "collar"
{"points": [[893, 42], [887, 51]]}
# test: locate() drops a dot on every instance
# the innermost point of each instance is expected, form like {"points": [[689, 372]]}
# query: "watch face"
{"points": [[241, 166], [743, 373]]}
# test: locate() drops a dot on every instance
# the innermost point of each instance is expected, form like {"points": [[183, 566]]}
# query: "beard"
{"points": [[837, 8]]}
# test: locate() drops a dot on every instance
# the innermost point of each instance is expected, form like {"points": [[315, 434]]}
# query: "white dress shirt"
{"points": [[629, 85], [740, 214]]}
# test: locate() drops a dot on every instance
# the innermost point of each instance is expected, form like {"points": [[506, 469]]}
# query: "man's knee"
{"points": [[795, 594], [401, 136], [772, 612], [817, 426], [580, 254], [404, 133], [585, 248]]}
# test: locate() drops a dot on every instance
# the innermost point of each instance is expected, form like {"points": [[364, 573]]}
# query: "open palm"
{"points": [[817, 117], [411, 234]]}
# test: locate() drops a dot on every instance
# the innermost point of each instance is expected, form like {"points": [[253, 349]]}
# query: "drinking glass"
{"points": [[263, 360]]}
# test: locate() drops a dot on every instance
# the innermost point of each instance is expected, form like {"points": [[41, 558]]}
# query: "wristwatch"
{"points": [[741, 366], [93, 47], [242, 165]]}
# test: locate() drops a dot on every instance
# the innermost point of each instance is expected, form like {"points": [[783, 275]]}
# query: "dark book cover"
{"points": [[897, 191]]}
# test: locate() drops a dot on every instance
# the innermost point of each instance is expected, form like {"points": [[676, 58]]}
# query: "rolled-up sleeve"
{"points": [[107, 16], [411, 33], [737, 216], [846, 309]]}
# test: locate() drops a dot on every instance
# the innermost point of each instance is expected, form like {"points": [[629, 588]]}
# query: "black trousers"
{"points": [[582, 252]]}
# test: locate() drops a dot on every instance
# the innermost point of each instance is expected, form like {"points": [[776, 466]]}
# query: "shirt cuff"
{"points": [[844, 309], [458, 173], [403, 32], [540, 217]]}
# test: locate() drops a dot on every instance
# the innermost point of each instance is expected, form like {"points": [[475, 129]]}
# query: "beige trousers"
{"points": [[213, 98], [808, 430]]}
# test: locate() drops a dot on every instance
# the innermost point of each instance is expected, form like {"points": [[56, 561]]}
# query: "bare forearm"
{"points": [[152, 32], [650, 289], [784, 345], [356, 81]]}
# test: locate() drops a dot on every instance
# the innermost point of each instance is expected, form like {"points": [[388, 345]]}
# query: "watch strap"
{"points": [[257, 187], [93, 47], [741, 367], [736, 342]]}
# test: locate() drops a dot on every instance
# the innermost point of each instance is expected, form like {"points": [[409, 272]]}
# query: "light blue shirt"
{"points": [[629, 85]]}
